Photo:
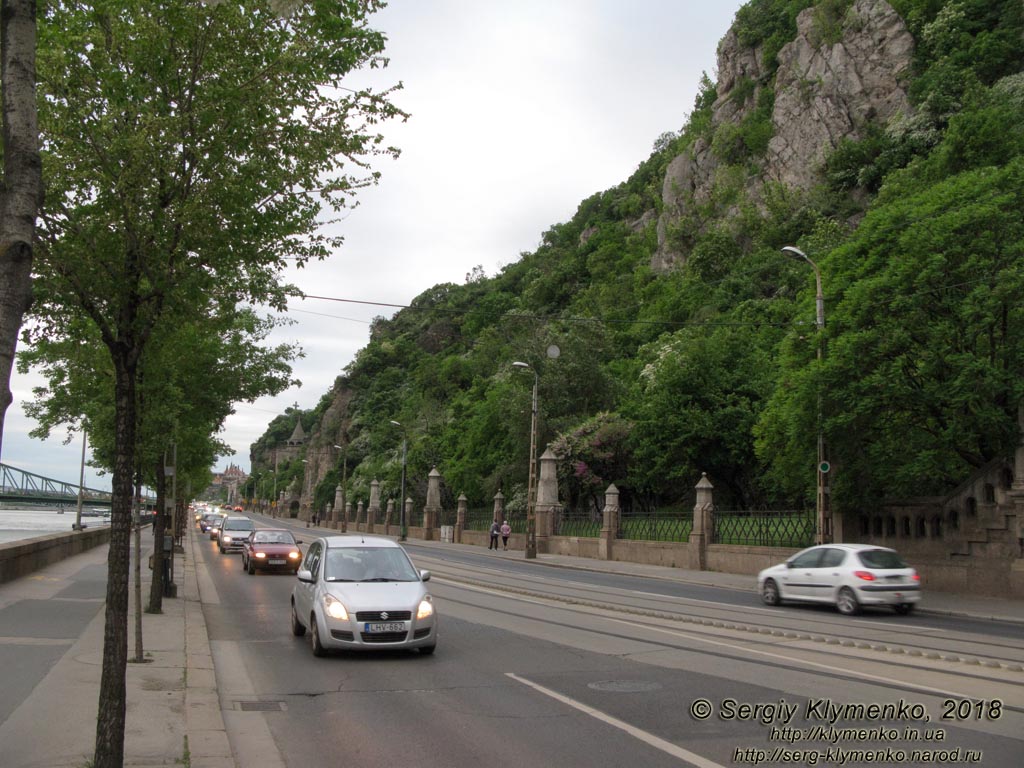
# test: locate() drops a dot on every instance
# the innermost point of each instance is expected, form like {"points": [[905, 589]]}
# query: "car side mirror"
{"points": [[424, 575], [789, 564], [298, 541], [303, 574]]}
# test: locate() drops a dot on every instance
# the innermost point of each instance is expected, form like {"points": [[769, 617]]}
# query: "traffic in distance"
{"points": [[352, 592]]}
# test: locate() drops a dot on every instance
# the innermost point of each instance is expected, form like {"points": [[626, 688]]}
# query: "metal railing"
{"points": [[789, 528]]}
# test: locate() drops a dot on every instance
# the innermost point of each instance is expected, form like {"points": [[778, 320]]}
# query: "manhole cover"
{"points": [[260, 706], [624, 686]]}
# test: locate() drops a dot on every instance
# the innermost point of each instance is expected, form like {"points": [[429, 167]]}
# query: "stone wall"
{"points": [[20, 558]]}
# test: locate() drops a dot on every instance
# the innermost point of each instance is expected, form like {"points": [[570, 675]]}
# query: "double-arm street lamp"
{"points": [[401, 501], [823, 534], [531, 490]]}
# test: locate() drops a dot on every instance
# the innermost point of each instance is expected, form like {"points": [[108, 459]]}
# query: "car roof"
{"points": [[356, 540], [851, 546]]}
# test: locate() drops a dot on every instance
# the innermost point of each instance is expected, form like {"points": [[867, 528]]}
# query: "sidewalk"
{"points": [[174, 715]]}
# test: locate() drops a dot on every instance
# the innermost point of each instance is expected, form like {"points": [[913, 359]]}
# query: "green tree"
{"points": [[189, 150]]}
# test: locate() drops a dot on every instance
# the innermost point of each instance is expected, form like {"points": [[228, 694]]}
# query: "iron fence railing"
{"points": [[656, 527], [790, 528]]}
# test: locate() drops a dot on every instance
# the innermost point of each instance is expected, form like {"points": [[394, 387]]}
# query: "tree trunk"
{"points": [[111, 717], [137, 527], [156, 586], [21, 190]]}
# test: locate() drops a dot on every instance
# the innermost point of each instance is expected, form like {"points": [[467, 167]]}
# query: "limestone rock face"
{"points": [[824, 92]]}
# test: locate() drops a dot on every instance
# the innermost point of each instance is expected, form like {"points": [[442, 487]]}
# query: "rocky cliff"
{"points": [[834, 79]]}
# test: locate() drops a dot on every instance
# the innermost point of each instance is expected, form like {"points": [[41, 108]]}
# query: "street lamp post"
{"points": [[823, 535], [344, 479], [401, 501], [531, 488]]}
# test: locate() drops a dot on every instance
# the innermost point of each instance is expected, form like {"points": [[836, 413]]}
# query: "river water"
{"points": [[17, 523]]}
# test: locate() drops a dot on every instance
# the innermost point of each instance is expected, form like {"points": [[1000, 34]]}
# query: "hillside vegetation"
{"points": [[711, 365]]}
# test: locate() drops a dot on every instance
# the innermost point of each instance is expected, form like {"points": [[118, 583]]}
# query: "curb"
{"points": [[208, 745]]}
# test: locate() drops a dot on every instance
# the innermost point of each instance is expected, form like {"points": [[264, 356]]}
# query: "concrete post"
{"points": [[547, 498], [702, 522], [347, 517], [432, 509], [389, 514], [339, 505], [460, 517], [609, 523], [373, 510], [359, 514], [408, 509]]}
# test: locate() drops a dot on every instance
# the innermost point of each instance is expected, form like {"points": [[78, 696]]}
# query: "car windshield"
{"points": [[273, 537], [368, 564], [881, 558], [239, 525]]}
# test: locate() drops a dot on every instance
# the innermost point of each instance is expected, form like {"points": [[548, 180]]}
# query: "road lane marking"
{"points": [[648, 738]]}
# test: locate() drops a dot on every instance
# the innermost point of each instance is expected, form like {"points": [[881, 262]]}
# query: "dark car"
{"points": [[271, 549], [233, 533], [207, 519], [213, 528]]}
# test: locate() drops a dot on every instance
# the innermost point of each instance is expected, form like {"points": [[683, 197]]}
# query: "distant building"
{"points": [[225, 484]]}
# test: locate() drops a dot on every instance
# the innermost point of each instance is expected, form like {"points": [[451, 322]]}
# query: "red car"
{"points": [[271, 549]]}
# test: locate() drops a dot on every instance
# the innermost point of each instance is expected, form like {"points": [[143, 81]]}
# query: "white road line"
{"points": [[648, 738]]}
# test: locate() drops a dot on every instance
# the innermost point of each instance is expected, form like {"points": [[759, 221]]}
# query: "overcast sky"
{"points": [[519, 111]]}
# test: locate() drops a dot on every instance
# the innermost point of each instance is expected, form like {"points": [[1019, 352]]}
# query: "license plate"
{"points": [[275, 562], [390, 627]]}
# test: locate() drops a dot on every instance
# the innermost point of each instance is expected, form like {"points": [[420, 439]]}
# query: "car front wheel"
{"points": [[314, 637], [770, 593], [847, 602], [297, 629]]}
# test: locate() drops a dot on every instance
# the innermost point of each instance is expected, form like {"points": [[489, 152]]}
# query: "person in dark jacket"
{"points": [[495, 530]]}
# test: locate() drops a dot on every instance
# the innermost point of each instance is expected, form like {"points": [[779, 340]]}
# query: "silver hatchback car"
{"points": [[846, 575], [362, 593]]}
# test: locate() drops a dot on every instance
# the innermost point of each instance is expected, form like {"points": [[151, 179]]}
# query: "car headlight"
{"points": [[227, 539], [294, 555], [335, 609], [426, 609], [260, 555]]}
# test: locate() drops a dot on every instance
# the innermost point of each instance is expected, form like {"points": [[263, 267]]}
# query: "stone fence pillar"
{"points": [[339, 506], [499, 508], [609, 522], [547, 498], [347, 517], [460, 517], [359, 514], [432, 509], [700, 535], [408, 516], [373, 509], [389, 514]]}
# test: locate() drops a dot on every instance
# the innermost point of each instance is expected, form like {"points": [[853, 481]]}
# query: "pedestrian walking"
{"points": [[506, 531], [495, 530]]}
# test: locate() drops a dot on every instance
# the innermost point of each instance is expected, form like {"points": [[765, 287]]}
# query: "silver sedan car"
{"points": [[847, 576], [362, 593]]}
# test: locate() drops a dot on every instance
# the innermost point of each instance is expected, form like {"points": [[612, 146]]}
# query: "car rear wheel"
{"points": [[314, 637], [770, 593], [904, 609], [297, 629], [847, 602]]}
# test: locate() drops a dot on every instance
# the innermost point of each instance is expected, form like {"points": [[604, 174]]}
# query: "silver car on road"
{"points": [[362, 593]]}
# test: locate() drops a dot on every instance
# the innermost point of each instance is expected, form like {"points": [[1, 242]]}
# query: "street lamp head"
{"points": [[395, 423], [339, 447], [796, 253], [518, 364]]}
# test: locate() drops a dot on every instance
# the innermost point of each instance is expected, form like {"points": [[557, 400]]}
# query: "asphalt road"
{"points": [[550, 667]]}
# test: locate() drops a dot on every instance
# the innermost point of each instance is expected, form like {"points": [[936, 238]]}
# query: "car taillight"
{"points": [[916, 576], [866, 575]]}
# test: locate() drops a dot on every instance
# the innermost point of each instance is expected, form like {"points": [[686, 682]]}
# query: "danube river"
{"points": [[17, 523]]}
